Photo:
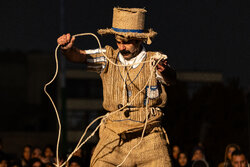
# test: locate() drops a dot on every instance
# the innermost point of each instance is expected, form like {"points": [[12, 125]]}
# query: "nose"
{"points": [[122, 47]]}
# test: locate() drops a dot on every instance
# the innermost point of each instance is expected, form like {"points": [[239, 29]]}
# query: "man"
{"points": [[198, 154], [230, 148], [239, 159], [132, 96]]}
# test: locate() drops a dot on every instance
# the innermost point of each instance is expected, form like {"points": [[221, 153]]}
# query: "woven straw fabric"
{"points": [[114, 94], [113, 84], [124, 18], [147, 34], [113, 147], [111, 150]]}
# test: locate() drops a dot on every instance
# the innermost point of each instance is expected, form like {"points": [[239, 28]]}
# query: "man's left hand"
{"points": [[162, 65], [168, 73]]}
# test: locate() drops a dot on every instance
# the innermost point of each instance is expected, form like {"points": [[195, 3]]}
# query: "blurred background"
{"points": [[207, 42]]}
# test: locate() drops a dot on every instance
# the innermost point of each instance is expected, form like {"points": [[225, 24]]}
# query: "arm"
{"points": [[72, 53], [167, 72]]}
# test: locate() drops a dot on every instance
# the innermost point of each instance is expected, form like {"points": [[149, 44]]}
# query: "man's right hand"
{"points": [[66, 41], [73, 54]]}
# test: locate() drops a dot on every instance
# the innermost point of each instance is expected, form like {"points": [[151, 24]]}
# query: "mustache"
{"points": [[125, 52]]}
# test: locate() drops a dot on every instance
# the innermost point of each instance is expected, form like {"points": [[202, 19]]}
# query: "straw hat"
{"points": [[129, 23]]}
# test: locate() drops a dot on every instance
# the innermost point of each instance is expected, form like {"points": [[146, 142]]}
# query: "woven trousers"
{"points": [[111, 150]]}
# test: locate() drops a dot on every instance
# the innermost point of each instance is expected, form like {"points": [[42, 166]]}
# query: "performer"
{"points": [[126, 89]]}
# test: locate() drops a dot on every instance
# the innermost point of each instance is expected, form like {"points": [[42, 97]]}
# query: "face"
{"points": [[48, 152], [26, 152], [182, 159], [176, 151], [78, 153], [239, 161], [198, 155], [36, 153], [229, 153], [128, 49], [3, 163]]}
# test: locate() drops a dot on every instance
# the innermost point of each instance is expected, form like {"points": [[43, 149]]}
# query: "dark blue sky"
{"points": [[208, 35]]}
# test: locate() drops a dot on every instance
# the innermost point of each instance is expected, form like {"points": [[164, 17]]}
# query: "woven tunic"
{"points": [[143, 95]]}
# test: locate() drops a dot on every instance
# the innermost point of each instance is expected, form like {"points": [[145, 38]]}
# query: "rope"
{"points": [[57, 115], [146, 121], [104, 117]]}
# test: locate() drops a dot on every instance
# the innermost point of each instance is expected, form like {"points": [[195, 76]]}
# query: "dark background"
{"points": [[207, 36]]}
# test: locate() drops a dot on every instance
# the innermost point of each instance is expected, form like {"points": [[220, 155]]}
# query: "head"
{"points": [[36, 153], [198, 154], [238, 159], [48, 151], [229, 150], [3, 162], [27, 152], [75, 161], [175, 151], [78, 153], [182, 159], [128, 47]]}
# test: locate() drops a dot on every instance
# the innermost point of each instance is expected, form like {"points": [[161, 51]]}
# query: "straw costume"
{"points": [[123, 129], [133, 93]]}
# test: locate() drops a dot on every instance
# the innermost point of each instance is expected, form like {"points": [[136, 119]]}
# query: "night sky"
{"points": [[208, 35]]}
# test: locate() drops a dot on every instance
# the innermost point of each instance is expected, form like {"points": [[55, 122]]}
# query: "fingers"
{"points": [[161, 65], [68, 37], [163, 62], [160, 68], [66, 41]]}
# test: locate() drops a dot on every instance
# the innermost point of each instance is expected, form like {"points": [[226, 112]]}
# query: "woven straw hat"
{"points": [[129, 23]]}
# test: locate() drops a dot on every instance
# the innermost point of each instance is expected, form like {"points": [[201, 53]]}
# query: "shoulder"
{"points": [[111, 52], [110, 49]]}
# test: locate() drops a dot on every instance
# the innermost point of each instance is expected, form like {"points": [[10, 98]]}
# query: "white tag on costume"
{"points": [[152, 92]]}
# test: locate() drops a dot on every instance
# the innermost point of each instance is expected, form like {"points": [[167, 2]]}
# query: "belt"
{"points": [[132, 135]]}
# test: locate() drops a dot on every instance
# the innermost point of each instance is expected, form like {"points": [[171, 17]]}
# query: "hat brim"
{"points": [[145, 35]]}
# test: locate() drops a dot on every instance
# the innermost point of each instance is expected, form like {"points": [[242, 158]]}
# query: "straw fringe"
{"points": [[151, 33], [147, 36], [132, 9]]}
